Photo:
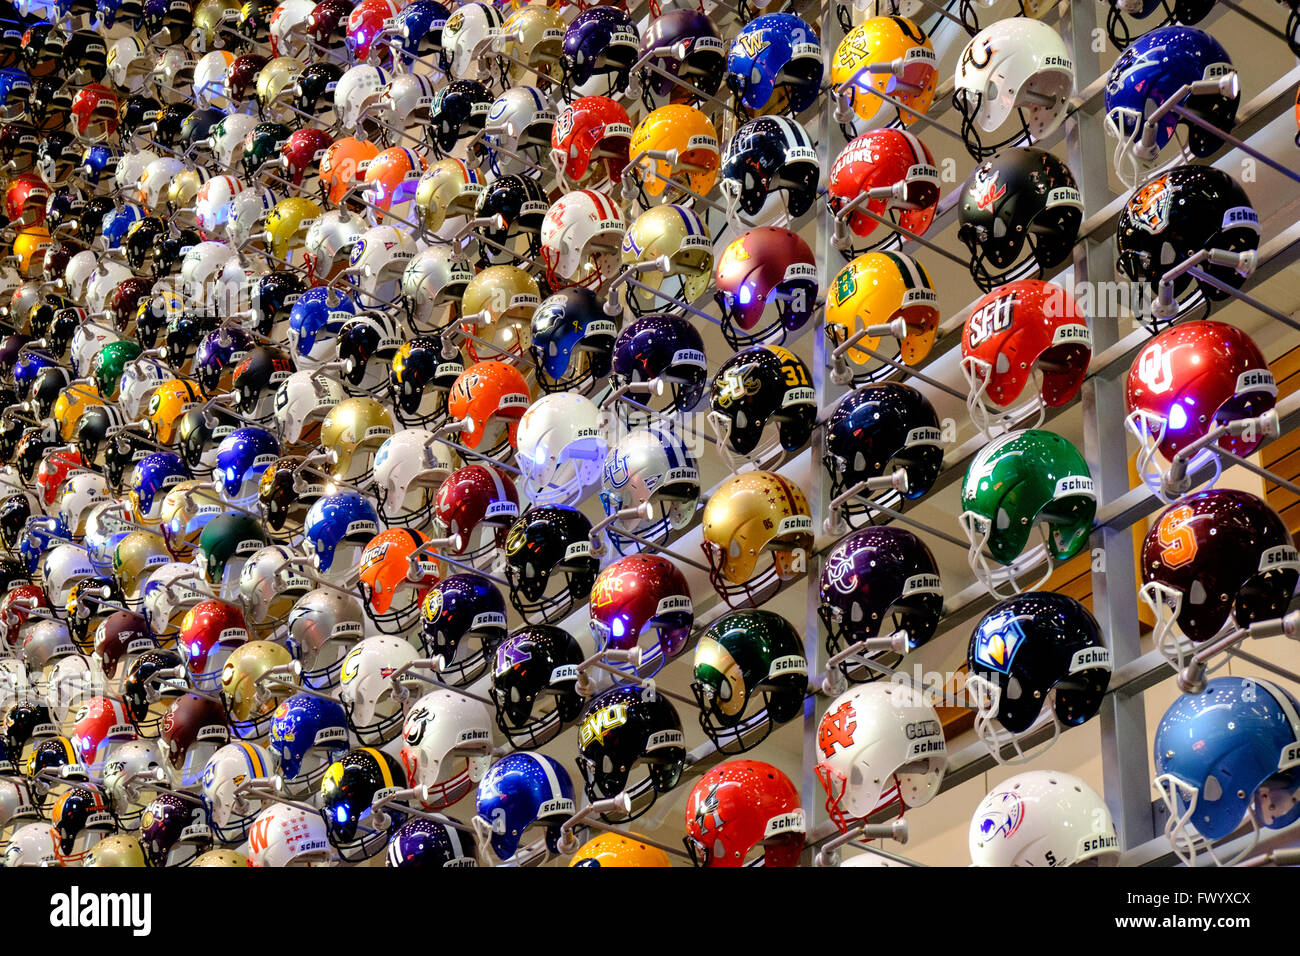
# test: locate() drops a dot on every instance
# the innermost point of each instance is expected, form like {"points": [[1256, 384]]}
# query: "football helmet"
{"points": [[1019, 213], [560, 448], [580, 239], [1178, 213], [590, 142], [518, 128], [448, 189], [536, 661], [116, 850], [770, 172], [313, 90], [1018, 65], [549, 562], [442, 729], [468, 36], [350, 787], [269, 585], [100, 724], [911, 79], [287, 225], [619, 849], [454, 610], [459, 111], [151, 477], [308, 733], [1018, 481], [209, 632], [1043, 818], [422, 372], [669, 234], [323, 626], [1020, 332], [230, 809], [881, 158], [682, 43], [392, 588], [250, 697], [489, 397], [425, 842], [749, 675], [190, 732], [666, 352], [876, 582], [1210, 369], [1146, 76], [284, 834], [683, 131], [479, 503], [132, 779], [409, 467], [571, 340], [501, 300], [765, 265], [740, 805], [749, 514], [600, 46], [301, 403], [368, 689], [649, 466], [351, 434], [774, 65], [624, 728], [343, 166], [1038, 655], [876, 431], [516, 206], [880, 745], [1212, 559], [1237, 729], [391, 180], [759, 386], [642, 595], [435, 278], [335, 530], [315, 319]]}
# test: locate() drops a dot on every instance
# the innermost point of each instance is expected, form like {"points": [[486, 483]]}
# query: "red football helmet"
{"points": [[884, 158], [739, 805], [590, 142], [53, 471], [365, 23], [13, 610], [100, 721], [189, 721], [479, 503], [327, 23], [301, 155], [25, 200], [209, 632], [638, 593], [126, 299], [765, 266], [1015, 331], [1214, 556], [94, 113], [1188, 379]]}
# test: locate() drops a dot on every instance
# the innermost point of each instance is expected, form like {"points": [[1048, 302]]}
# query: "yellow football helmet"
{"points": [[618, 849], [686, 130], [351, 434], [287, 224], [211, 18], [120, 849], [886, 40], [168, 403], [509, 296], [136, 557], [676, 233], [70, 405], [876, 288], [30, 246], [534, 35], [750, 514], [449, 188], [247, 664]]}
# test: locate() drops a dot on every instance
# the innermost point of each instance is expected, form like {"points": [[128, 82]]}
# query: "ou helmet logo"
{"points": [[1154, 369]]}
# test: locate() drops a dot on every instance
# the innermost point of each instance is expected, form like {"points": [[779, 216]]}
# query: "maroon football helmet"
{"points": [[480, 504], [642, 593]]}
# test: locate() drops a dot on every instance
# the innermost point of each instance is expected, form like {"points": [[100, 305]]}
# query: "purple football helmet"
{"points": [[697, 56], [663, 347], [600, 46], [456, 608], [173, 831]]}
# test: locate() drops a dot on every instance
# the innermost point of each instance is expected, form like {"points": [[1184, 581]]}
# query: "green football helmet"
{"points": [[748, 657], [1019, 481], [108, 364], [225, 545]]}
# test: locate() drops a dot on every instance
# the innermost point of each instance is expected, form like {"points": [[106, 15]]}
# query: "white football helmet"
{"points": [[130, 168], [582, 236], [287, 835], [129, 64], [367, 688], [151, 189], [247, 222], [518, 130], [379, 258], [442, 727], [62, 567], [140, 379], [107, 277], [409, 467], [1017, 66], [561, 448], [226, 141], [76, 276], [468, 36], [33, 844], [650, 465], [212, 206], [357, 90], [435, 277], [330, 240], [1043, 818], [210, 80], [288, 28], [132, 778], [301, 403], [231, 812]]}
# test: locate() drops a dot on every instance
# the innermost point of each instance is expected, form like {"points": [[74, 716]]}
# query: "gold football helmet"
{"points": [[351, 434], [136, 557], [677, 234], [246, 665], [449, 188], [505, 298], [750, 514]]}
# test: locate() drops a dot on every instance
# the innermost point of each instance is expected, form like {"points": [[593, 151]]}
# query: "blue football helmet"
{"points": [[308, 733], [775, 55], [314, 323], [334, 520], [15, 90], [1225, 756], [242, 456], [520, 790], [1151, 71], [117, 222], [150, 479], [39, 536], [425, 842], [29, 363], [418, 27], [572, 341]]}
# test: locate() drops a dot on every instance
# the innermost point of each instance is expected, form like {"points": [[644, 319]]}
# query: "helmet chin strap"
{"points": [[994, 737]]}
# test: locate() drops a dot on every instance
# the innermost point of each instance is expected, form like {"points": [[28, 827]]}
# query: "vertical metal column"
{"points": [[1127, 784]]}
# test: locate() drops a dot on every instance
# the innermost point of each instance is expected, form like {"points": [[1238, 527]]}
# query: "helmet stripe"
{"points": [[551, 780], [686, 219], [908, 271], [383, 765], [918, 151], [670, 450], [254, 758]]}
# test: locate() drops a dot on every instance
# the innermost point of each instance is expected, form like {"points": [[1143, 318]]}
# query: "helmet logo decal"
{"points": [[999, 637], [706, 811], [1154, 368], [1149, 207], [1004, 819], [752, 44], [990, 319], [986, 190], [968, 56], [837, 729], [597, 725], [1177, 540]]}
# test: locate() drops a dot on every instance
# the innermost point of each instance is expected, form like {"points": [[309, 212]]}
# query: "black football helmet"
{"points": [[535, 660]]}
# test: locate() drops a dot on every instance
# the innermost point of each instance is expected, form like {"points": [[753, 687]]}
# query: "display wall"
{"points": [[648, 435]]}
